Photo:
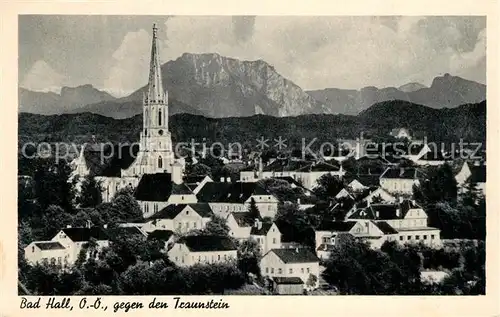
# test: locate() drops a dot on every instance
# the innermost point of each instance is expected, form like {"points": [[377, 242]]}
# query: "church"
{"points": [[117, 167]]}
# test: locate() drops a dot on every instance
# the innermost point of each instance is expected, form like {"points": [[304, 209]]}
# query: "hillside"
{"points": [[447, 125], [445, 91], [70, 99]]}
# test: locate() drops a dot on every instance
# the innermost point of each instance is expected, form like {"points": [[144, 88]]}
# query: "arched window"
{"points": [[146, 118], [159, 117], [160, 162]]}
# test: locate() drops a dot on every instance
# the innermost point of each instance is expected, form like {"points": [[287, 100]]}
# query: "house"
{"points": [[267, 235], [400, 180], [166, 236], [327, 234], [47, 252], [240, 224], [156, 191], [475, 174], [225, 198], [292, 262], [401, 133], [191, 250], [405, 222], [74, 239], [432, 158], [180, 218], [195, 183], [304, 172], [287, 285]]}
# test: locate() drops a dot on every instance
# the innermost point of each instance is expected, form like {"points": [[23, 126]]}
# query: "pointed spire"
{"points": [[155, 85]]}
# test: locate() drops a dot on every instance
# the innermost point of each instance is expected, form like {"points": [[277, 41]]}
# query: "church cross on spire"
{"points": [[155, 85]]}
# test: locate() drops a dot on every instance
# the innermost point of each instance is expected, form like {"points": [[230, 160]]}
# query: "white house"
{"points": [[180, 218], [191, 250], [405, 222], [400, 180], [267, 235], [156, 191], [48, 252], [66, 245], [225, 198], [291, 262]]}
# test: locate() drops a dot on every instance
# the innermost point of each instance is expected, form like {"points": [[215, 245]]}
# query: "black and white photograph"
{"points": [[251, 155]]}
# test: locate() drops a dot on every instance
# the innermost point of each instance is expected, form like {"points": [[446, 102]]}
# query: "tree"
{"points": [[52, 186], [200, 169], [124, 208], [249, 255], [311, 281], [328, 186], [295, 224], [90, 193], [441, 186], [253, 210], [217, 226]]}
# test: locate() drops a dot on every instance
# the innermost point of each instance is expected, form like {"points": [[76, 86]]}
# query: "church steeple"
{"points": [[155, 85]]}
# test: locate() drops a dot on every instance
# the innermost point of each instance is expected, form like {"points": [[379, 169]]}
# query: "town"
{"points": [[359, 219]]}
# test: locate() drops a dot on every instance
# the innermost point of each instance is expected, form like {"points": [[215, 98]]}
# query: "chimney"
{"points": [[177, 173], [105, 226], [298, 201], [296, 250], [260, 168], [377, 214]]}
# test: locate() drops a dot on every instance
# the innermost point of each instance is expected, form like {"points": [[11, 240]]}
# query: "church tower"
{"points": [[155, 151]]}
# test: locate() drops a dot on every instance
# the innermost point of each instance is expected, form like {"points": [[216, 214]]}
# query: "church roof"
{"points": [[106, 160], [155, 85], [237, 192], [159, 187], [171, 211]]}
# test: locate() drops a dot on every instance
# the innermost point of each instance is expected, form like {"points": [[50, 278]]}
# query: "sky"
{"points": [[112, 52]]}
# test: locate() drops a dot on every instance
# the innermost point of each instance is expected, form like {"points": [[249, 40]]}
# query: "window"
{"points": [[401, 238], [182, 259], [274, 240], [225, 259], [280, 271], [267, 270], [33, 249], [176, 259], [199, 258], [194, 225], [302, 270], [291, 271], [408, 238], [308, 270], [59, 261], [218, 257], [432, 237], [159, 117], [160, 162], [417, 237], [272, 270], [425, 237]]}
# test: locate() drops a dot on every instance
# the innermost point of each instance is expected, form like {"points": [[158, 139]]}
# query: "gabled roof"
{"points": [[402, 173], [159, 187], [336, 226], [385, 227], [84, 234], [263, 230], [237, 192], [205, 243], [243, 219], [106, 160], [162, 235], [49, 245], [406, 205], [129, 231], [287, 280], [319, 167], [295, 255], [171, 211]]}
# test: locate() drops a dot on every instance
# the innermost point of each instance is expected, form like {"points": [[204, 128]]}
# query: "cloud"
{"points": [[130, 65], [317, 52], [42, 77]]}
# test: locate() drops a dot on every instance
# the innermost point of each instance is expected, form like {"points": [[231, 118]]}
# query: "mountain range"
{"points": [[216, 86]]}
